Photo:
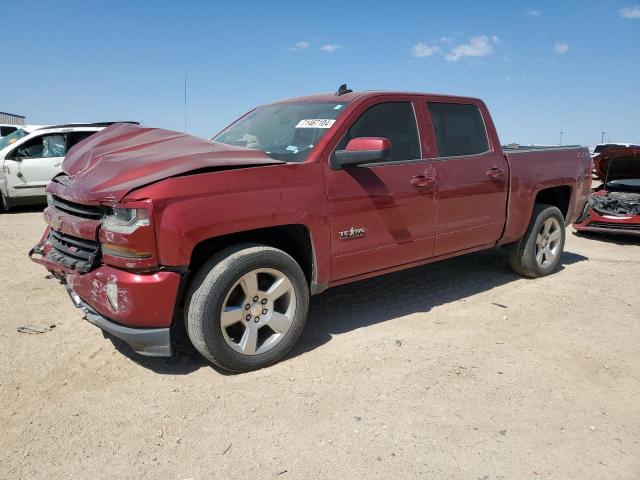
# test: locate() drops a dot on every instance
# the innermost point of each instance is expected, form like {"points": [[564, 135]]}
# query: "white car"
{"points": [[31, 156]]}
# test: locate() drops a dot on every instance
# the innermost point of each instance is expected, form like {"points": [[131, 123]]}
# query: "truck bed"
{"points": [[533, 148], [537, 168]]}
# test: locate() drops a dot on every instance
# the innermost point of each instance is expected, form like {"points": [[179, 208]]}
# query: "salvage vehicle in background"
{"points": [[601, 147], [153, 232], [31, 156], [615, 204]]}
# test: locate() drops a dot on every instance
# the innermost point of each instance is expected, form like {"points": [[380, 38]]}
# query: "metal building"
{"points": [[11, 118]]}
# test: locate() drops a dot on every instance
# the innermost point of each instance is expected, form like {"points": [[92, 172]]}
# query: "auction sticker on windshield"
{"points": [[315, 123]]}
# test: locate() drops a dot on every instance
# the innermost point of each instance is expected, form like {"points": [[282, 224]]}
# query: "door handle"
{"points": [[495, 172], [423, 181]]}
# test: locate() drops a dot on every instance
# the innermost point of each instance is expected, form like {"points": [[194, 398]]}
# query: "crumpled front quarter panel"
{"points": [[194, 208]]}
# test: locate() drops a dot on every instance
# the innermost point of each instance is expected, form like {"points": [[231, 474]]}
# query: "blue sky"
{"points": [[542, 67]]}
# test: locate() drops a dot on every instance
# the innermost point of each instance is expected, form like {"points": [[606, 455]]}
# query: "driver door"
{"points": [[382, 215]]}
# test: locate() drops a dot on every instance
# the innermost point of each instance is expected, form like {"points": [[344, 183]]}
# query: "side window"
{"points": [[30, 149], [54, 146], [4, 131], [393, 120], [459, 129], [44, 146], [76, 137]]}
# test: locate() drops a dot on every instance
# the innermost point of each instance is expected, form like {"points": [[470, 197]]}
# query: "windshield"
{"points": [[12, 137], [285, 131]]}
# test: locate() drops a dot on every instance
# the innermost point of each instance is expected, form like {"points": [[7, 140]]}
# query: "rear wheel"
{"points": [[247, 307], [539, 251]]}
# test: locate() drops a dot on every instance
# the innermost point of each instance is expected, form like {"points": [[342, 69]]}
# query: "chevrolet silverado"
{"points": [[154, 232]]}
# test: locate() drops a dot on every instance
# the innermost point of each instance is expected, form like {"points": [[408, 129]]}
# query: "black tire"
{"points": [[208, 291], [4, 203], [522, 254]]}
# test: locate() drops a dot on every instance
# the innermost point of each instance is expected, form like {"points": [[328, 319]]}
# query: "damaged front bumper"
{"points": [[151, 342], [619, 225], [135, 307], [614, 211]]}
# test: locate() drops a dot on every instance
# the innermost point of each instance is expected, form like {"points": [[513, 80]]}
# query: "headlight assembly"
{"points": [[125, 220]]}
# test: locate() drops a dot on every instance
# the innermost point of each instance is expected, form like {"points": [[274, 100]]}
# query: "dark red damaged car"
{"points": [[615, 204], [156, 234]]}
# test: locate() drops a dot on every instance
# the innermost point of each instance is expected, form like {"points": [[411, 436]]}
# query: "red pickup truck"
{"points": [[153, 232]]}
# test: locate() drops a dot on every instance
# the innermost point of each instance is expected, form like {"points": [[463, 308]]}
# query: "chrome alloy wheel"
{"points": [[548, 242], [258, 311]]}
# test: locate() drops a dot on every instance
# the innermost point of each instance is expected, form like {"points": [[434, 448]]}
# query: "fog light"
{"points": [[112, 295]]}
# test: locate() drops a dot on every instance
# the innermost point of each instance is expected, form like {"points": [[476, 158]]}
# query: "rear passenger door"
{"points": [[382, 215], [471, 178]]}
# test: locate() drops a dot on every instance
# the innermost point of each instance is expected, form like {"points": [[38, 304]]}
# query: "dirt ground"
{"points": [[459, 369]]}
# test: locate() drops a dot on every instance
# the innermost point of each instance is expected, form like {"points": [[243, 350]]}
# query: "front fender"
{"points": [[191, 209]]}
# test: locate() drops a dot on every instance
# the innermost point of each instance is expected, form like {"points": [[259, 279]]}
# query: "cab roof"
{"points": [[361, 95], [80, 125]]}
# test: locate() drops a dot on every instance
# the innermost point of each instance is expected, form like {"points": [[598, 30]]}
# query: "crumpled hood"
{"points": [[618, 163], [122, 157]]}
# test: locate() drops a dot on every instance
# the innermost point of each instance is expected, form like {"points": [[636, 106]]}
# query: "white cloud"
{"points": [[300, 46], [424, 50], [330, 47], [560, 48], [630, 12], [532, 13], [495, 39], [479, 46]]}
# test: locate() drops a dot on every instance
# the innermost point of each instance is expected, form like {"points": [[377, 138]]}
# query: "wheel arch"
{"points": [[294, 239], [520, 208], [558, 196]]}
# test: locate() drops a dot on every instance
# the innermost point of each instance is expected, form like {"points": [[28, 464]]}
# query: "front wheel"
{"points": [[246, 307], [4, 203], [539, 251]]}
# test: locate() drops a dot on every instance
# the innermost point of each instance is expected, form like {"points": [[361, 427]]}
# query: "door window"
{"points": [[76, 137], [53, 146], [459, 129], [44, 146], [395, 121]]}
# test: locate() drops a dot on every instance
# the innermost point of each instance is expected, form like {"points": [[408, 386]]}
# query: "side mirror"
{"points": [[362, 150]]}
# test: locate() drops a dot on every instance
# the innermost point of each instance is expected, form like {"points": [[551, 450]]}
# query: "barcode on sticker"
{"points": [[315, 123]]}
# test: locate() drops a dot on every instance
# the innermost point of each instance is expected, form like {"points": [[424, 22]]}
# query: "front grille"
{"points": [[91, 212], [78, 254], [619, 226]]}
